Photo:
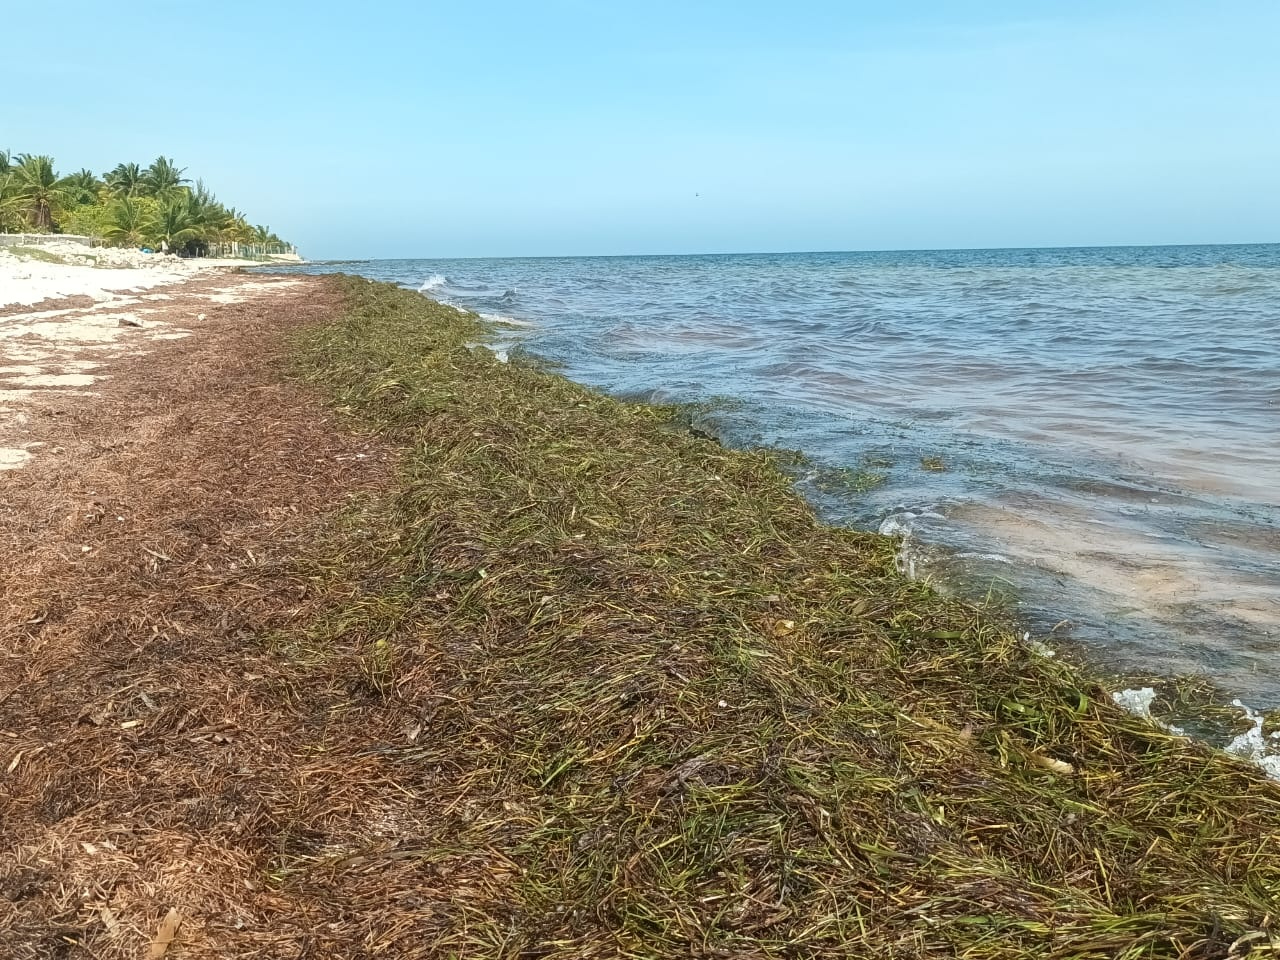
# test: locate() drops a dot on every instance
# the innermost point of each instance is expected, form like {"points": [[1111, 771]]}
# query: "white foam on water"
{"points": [[433, 282], [901, 525], [1252, 745], [1261, 750], [499, 350], [1136, 701], [508, 321], [898, 525]]}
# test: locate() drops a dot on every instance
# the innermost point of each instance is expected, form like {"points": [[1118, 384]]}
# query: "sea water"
{"points": [[1090, 435]]}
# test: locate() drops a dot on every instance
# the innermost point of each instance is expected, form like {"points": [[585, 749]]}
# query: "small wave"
{"points": [[433, 282], [1038, 647], [902, 523], [508, 321], [992, 557], [499, 350], [899, 525], [1138, 701]]}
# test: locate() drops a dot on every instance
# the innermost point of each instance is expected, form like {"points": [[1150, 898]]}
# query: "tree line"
{"points": [[129, 206]]}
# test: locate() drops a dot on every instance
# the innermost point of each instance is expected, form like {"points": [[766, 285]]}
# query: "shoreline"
{"points": [[458, 657], [1141, 568]]}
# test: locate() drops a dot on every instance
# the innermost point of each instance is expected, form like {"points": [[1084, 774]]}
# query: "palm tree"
{"points": [[84, 185], [163, 177], [205, 207], [224, 227], [127, 222], [10, 210], [238, 229], [210, 220], [162, 205], [125, 180], [173, 225], [262, 234], [40, 188]]}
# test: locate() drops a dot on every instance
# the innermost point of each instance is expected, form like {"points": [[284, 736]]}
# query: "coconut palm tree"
{"points": [[10, 212], [238, 229], [40, 188], [128, 222], [164, 207], [225, 228], [163, 177], [125, 180], [174, 226], [204, 205], [84, 185]]}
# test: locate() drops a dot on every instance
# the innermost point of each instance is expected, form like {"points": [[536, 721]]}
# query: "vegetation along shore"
{"points": [[129, 206], [332, 635]]}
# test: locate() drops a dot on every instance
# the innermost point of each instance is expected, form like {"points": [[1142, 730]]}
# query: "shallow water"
{"points": [[1092, 434]]}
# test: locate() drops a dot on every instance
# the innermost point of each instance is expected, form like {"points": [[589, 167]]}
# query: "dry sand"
{"points": [[64, 327], [100, 274]]}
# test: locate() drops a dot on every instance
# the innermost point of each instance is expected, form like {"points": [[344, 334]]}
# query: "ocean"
{"points": [[1089, 436]]}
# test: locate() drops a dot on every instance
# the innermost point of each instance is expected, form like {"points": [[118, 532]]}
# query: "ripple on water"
{"points": [[1104, 419]]}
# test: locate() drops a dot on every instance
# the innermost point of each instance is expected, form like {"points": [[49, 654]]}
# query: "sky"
{"points": [[421, 129]]}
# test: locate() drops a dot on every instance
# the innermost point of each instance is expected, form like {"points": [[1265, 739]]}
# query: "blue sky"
{"points": [[388, 129]]}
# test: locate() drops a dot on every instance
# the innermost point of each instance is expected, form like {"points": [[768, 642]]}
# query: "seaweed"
{"points": [[659, 710]]}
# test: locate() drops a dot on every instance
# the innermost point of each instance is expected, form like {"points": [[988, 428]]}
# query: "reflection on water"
{"points": [[1092, 432]]}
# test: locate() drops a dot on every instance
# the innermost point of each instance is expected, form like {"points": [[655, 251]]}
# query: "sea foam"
{"points": [[503, 319], [1254, 745]]}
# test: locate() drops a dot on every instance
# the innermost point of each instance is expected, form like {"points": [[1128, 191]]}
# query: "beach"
{"points": [[65, 325], [330, 631], [54, 270]]}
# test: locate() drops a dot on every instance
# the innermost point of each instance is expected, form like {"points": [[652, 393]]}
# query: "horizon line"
{"points": [[802, 253]]}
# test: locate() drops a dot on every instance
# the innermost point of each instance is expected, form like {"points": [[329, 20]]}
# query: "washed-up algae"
{"points": [[652, 707], [477, 662]]}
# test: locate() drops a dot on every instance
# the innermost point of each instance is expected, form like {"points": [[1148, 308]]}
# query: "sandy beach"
{"points": [[64, 327], [58, 270]]}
